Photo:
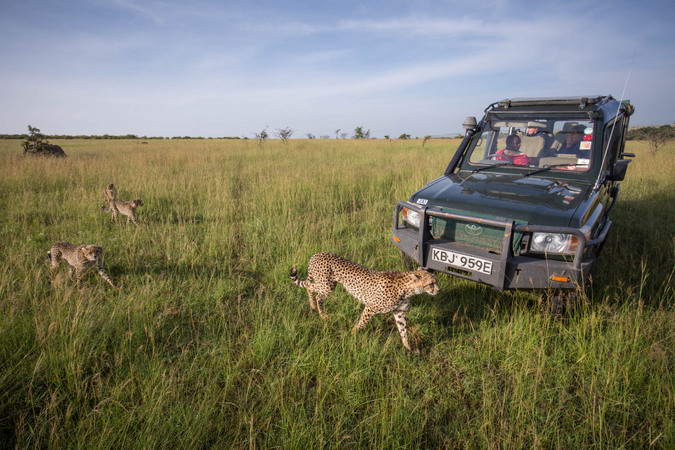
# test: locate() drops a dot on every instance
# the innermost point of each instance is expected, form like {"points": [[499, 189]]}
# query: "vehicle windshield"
{"points": [[556, 144]]}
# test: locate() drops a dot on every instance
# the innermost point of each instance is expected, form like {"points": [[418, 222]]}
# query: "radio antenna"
{"points": [[630, 69], [618, 109]]}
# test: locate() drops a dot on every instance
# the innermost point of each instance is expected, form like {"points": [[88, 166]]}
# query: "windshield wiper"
{"points": [[480, 169], [547, 168]]}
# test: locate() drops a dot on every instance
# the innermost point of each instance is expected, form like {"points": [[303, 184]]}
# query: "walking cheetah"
{"points": [[380, 292], [118, 206], [82, 258]]}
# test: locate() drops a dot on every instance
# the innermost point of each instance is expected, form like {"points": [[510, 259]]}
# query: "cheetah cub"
{"points": [[118, 206], [380, 292], [82, 258], [110, 192]]}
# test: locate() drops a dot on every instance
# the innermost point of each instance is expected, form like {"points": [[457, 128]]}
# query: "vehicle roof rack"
{"points": [[549, 101]]}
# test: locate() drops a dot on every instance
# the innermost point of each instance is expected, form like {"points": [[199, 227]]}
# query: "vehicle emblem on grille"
{"points": [[472, 229]]}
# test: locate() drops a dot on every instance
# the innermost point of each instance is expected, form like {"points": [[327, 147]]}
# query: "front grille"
{"points": [[482, 235]]}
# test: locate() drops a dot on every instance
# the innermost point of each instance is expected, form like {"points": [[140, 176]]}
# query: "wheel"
{"points": [[555, 304], [561, 302]]}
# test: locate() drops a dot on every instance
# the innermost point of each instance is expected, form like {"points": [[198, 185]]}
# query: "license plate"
{"points": [[462, 261]]}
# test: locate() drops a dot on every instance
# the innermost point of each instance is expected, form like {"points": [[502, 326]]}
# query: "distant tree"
{"points": [[35, 138], [386, 136], [426, 138], [404, 136], [36, 144], [310, 136], [336, 133], [325, 136], [284, 134], [359, 133], [655, 136], [344, 135], [261, 137]]}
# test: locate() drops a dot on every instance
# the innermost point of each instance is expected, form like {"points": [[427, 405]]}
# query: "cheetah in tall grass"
{"points": [[81, 258], [128, 209], [380, 292]]}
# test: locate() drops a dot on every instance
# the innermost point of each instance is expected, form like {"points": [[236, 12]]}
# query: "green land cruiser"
{"points": [[525, 200]]}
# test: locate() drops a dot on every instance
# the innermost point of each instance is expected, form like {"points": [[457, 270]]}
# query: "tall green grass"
{"points": [[209, 344]]}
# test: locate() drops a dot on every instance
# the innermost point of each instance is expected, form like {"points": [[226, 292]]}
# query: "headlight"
{"points": [[411, 217], [553, 243]]}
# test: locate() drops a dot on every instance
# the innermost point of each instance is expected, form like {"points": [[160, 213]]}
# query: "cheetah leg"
{"points": [[133, 219], [402, 328], [366, 315], [105, 276], [78, 276], [320, 298], [312, 302]]}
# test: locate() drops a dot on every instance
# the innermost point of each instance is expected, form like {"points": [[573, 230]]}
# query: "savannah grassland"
{"points": [[209, 344]]}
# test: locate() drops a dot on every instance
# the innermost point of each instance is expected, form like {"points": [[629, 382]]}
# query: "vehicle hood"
{"points": [[535, 200]]}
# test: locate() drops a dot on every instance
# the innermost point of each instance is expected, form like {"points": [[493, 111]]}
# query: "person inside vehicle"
{"points": [[512, 152], [533, 131], [534, 140], [571, 144]]}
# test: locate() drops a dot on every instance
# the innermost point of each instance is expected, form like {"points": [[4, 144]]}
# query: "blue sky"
{"points": [[232, 68]]}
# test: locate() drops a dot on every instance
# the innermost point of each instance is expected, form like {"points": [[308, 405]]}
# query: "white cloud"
{"points": [[174, 68]]}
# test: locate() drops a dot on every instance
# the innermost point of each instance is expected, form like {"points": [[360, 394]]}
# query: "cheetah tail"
{"points": [[294, 278]]}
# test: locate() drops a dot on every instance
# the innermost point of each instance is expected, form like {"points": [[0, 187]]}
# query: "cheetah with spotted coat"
{"points": [[118, 207], [80, 258], [380, 292]]}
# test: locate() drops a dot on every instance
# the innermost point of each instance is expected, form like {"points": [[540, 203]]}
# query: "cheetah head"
{"points": [[426, 282], [110, 191], [92, 252]]}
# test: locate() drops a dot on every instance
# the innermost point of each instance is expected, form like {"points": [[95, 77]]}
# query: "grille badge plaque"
{"points": [[473, 230]]}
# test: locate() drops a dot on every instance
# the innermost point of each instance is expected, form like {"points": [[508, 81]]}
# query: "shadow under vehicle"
{"points": [[530, 215]]}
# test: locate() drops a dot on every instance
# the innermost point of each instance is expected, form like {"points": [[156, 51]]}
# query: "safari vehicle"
{"points": [[529, 218]]}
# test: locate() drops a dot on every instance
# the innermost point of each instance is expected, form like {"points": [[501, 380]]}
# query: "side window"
{"points": [[574, 137], [612, 139], [480, 151]]}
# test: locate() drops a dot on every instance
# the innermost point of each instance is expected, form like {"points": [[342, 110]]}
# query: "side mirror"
{"points": [[618, 170]]}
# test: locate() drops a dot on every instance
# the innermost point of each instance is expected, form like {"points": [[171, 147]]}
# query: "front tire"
{"points": [[561, 302]]}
